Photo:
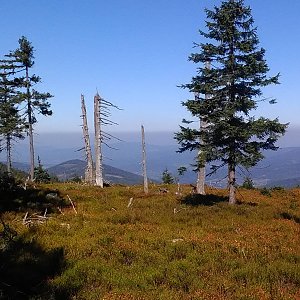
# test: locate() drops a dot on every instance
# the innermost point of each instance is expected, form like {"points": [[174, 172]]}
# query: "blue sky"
{"points": [[135, 52]]}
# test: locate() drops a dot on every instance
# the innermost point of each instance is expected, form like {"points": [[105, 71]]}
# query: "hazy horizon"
{"points": [[290, 139], [67, 144]]}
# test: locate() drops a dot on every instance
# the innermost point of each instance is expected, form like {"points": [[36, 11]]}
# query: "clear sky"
{"points": [[135, 52]]}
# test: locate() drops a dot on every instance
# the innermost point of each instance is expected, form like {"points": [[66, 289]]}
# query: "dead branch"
{"points": [[130, 202], [34, 219], [177, 240], [59, 209], [178, 210], [72, 204], [65, 225], [25, 217]]}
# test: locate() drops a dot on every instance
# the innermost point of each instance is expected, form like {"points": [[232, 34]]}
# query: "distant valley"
{"points": [[279, 168]]}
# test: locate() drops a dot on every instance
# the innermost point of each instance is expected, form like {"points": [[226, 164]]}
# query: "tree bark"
{"points": [[31, 150], [146, 190], [30, 128], [200, 186], [8, 153], [231, 184], [98, 142], [89, 169]]}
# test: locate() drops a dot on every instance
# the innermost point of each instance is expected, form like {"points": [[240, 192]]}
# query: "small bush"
{"points": [[76, 179], [289, 216], [167, 177], [40, 174], [266, 192], [278, 188], [248, 184], [8, 183]]}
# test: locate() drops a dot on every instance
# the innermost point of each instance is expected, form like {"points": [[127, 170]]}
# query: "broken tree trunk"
{"points": [[89, 178], [98, 142], [144, 161]]}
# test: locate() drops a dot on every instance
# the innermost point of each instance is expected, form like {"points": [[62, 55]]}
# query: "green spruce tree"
{"points": [[234, 83], [35, 101], [11, 122], [40, 174], [167, 177]]}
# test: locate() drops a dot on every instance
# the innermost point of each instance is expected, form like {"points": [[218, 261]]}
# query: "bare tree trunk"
{"points": [[231, 184], [88, 152], [8, 153], [30, 133], [144, 161], [200, 187], [98, 142], [30, 128]]}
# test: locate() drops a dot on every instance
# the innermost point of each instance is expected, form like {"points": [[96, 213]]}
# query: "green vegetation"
{"points": [[16, 174], [227, 90], [167, 177], [74, 241], [248, 183], [158, 247], [19, 99], [40, 174]]}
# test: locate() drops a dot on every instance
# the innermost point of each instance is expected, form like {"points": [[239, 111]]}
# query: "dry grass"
{"points": [[168, 247]]}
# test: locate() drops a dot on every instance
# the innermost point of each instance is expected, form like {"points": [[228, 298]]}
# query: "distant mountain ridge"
{"points": [[279, 168], [76, 167]]}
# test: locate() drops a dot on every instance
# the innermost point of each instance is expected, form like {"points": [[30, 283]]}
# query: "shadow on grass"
{"points": [[15, 197], [206, 200], [289, 216], [26, 268]]}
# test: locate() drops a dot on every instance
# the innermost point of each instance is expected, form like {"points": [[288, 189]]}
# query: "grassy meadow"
{"points": [[123, 244]]}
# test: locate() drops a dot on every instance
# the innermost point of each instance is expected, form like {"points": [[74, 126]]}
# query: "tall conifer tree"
{"points": [[11, 122], [35, 101], [234, 83]]}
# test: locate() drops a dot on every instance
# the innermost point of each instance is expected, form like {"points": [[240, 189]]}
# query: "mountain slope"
{"points": [[76, 167], [279, 168], [25, 167]]}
